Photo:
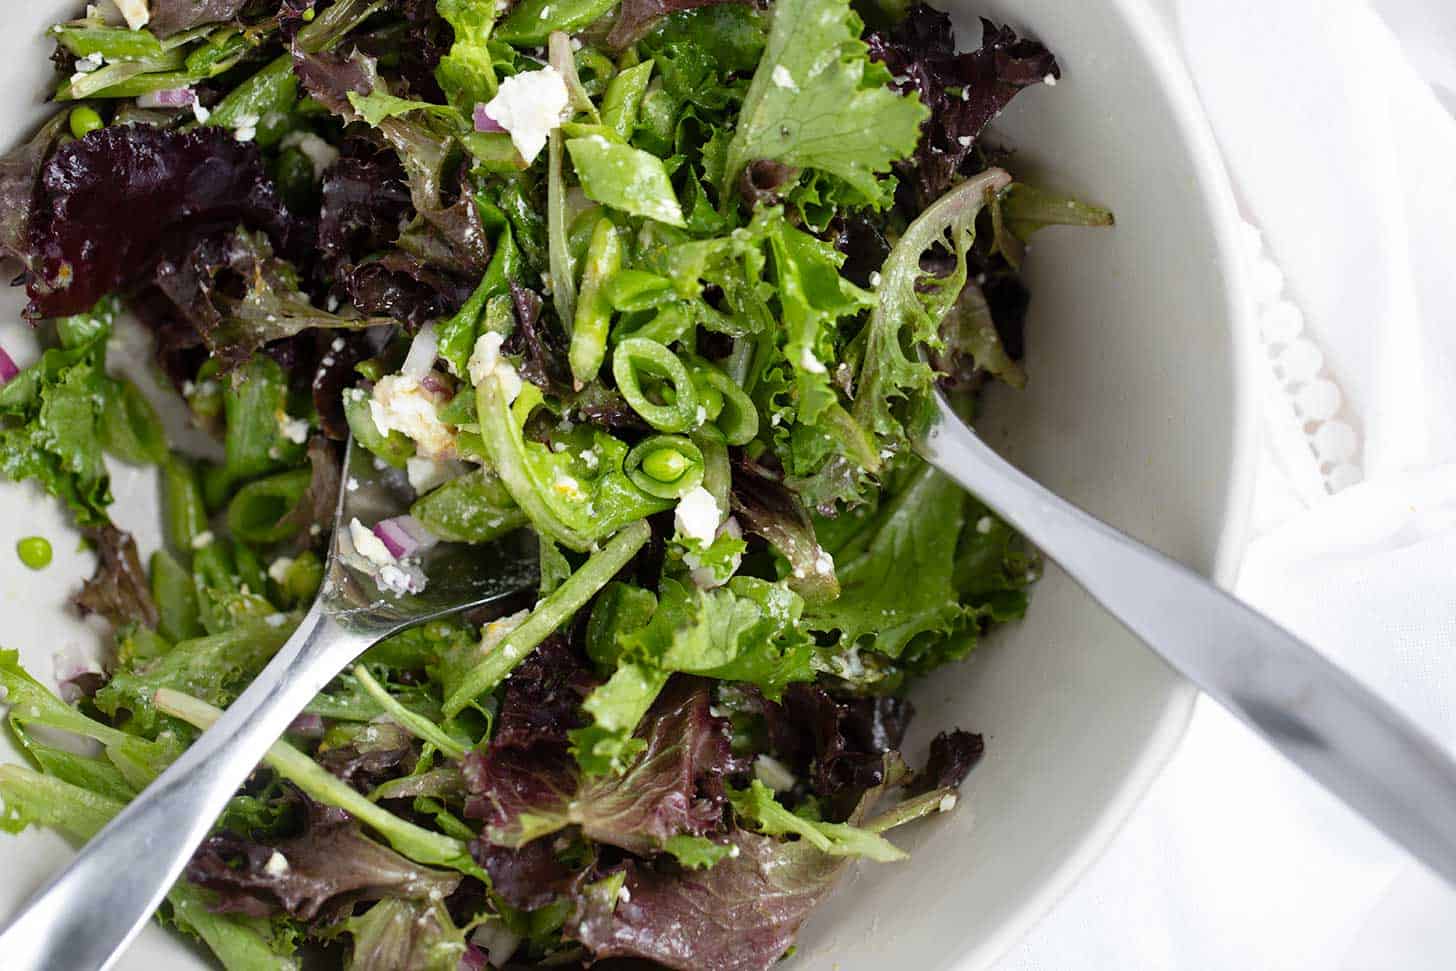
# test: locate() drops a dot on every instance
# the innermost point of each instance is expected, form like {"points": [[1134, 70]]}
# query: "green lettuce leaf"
{"points": [[817, 101]]}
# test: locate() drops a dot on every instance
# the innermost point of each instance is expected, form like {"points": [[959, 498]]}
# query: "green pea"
{"points": [[85, 120], [34, 552], [665, 465], [373, 368]]}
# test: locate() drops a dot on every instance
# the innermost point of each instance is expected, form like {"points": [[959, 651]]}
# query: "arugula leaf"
{"points": [[817, 101], [911, 307], [897, 576], [624, 178], [757, 805]]}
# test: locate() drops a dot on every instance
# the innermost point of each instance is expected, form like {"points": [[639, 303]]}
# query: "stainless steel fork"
{"points": [[1321, 719], [86, 917]]}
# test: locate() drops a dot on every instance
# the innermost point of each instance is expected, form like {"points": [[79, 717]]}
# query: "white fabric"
{"points": [[1336, 119]]}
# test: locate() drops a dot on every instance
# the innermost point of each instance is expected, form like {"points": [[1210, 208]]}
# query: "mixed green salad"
{"points": [[650, 278]]}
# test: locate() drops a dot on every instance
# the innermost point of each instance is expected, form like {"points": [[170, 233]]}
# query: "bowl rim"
{"points": [[1153, 33]]}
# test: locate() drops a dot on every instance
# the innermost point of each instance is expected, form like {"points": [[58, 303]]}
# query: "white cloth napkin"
{"points": [[1336, 120]]}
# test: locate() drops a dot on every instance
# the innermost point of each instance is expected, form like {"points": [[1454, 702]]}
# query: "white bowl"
{"points": [[1139, 409]]}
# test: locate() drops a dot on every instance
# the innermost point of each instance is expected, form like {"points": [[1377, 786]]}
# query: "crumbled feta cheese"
{"points": [[530, 105], [983, 525], [278, 569], [247, 127], [486, 361], [401, 405], [773, 773], [352, 485], [202, 539], [875, 278], [136, 12], [400, 582], [200, 113], [734, 851], [294, 429], [274, 619], [85, 65], [624, 895], [590, 459], [425, 473], [702, 415], [277, 865], [698, 515], [369, 546], [1050, 80], [947, 802], [783, 79], [824, 563], [810, 363], [319, 152], [964, 141], [337, 345]]}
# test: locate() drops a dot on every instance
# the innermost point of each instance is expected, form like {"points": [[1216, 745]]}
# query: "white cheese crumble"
{"points": [[200, 113], [202, 539], [773, 773], [566, 486], [319, 152], [401, 405], [247, 127], [1050, 80], [278, 569], [400, 582], [983, 525], [875, 278], [624, 895], [494, 632], [424, 473], [947, 803], [486, 360], [783, 79], [810, 363], [293, 429], [136, 12], [277, 865], [369, 546], [530, 105], [272, 620], [698, 515], [85, 65]]}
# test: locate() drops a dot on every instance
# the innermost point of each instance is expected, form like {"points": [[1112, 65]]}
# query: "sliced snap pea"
{"points": [[637, 357], [257, 513], [183, 507], [176, 598], [593, 310], [665, 466]]}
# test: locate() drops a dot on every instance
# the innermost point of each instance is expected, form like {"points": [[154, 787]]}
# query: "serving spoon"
{"points": [[87, 915], [1346, 737]]}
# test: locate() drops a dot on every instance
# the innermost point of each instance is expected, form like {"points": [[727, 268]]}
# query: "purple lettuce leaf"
{"points": [[526, 878], [323, 870], [952, 756], [365, 200], [174, 16], [20, 171], [964, 91], [317, 504], [110, 202], [740, 915], [377, 753], [118, 590], [674, 787], [636, 18], [768, 509]]}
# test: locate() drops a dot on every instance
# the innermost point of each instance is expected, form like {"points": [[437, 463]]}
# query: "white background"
{"points": [[1335, 117]]}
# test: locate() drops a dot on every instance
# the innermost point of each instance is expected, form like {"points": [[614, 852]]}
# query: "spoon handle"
{"points": [[1346, 737], [88, 914]]}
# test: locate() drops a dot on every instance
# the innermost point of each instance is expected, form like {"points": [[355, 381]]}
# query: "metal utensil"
{"points": [[1351, 742], [86, 916]]}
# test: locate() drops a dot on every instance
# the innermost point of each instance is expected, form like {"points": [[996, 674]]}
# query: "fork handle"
{"points": [[1346, 737], [87, 915]]}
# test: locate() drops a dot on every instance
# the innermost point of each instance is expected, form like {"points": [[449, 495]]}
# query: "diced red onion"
{"points": [[473, 959], [484, 122], [422, 353], [167, 98], [404, 536], [8, 369], [434, 382]]}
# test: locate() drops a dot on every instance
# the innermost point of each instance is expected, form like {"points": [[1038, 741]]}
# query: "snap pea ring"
{"points": [[736, 417], [665, 466], [637, 356]]}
